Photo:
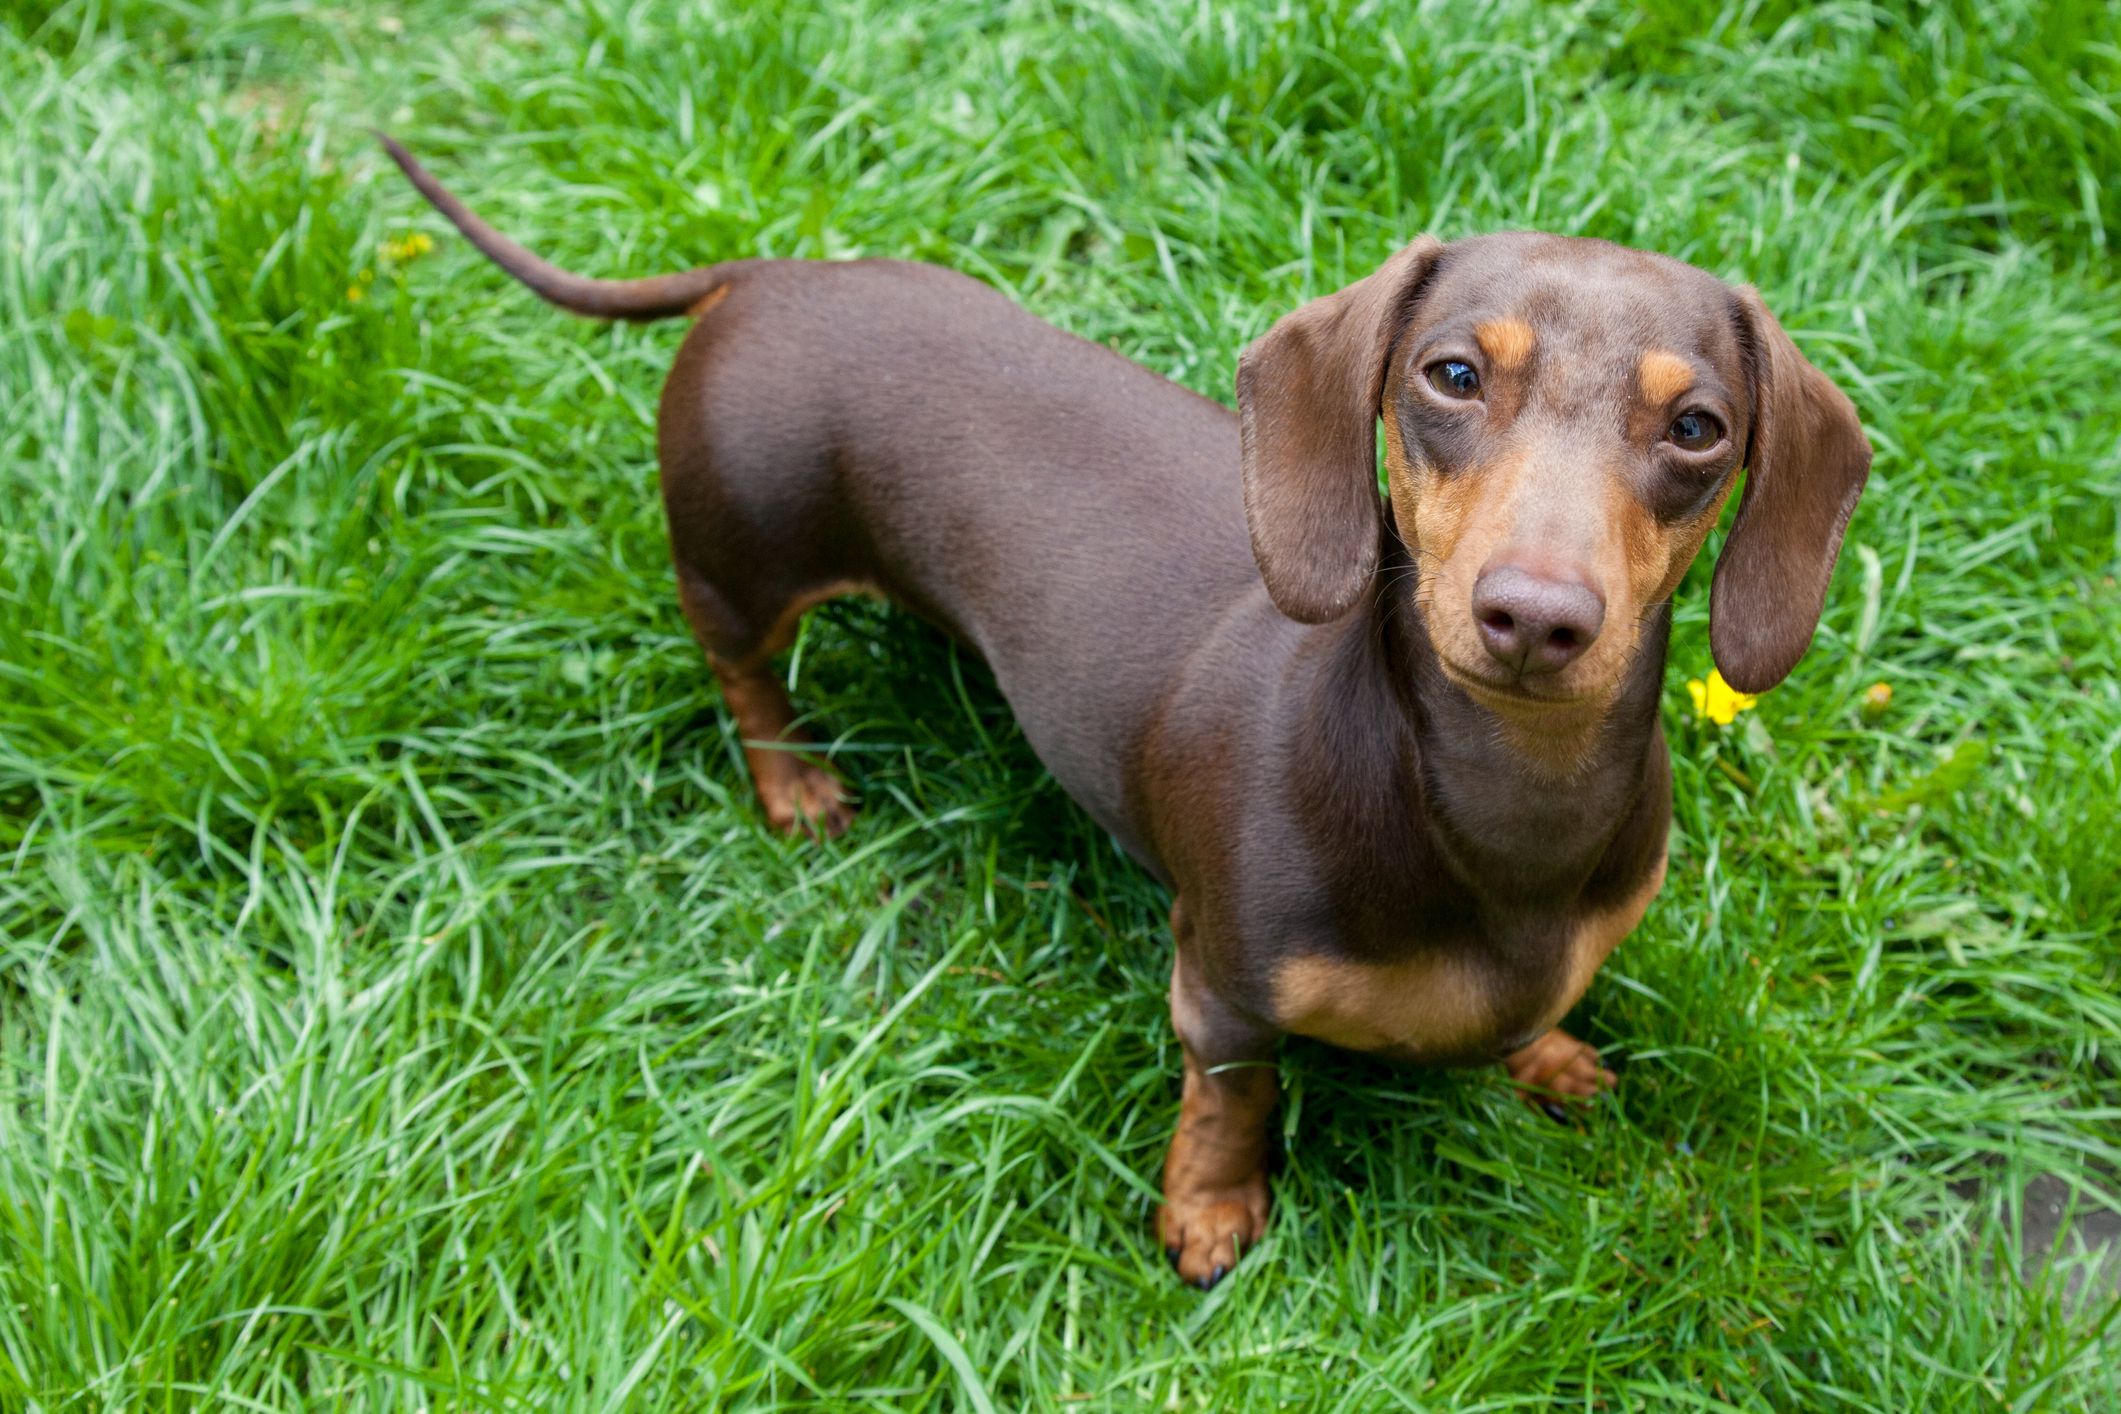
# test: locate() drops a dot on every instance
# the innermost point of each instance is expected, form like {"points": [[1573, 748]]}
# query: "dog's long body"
{"points": [[905, 429], [1398, 760]]}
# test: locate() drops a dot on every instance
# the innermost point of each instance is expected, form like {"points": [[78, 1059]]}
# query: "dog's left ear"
{"points": [[1805, 467], [1308, 395]]}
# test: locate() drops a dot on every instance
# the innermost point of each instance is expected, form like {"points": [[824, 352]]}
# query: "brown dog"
{"points": [[1399, 758]]}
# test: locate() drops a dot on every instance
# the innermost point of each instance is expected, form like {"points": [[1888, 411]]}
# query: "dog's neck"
{"points": [[1522, 807]]}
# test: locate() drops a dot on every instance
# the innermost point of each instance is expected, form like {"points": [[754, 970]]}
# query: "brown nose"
{"points": [[1536, 622]]}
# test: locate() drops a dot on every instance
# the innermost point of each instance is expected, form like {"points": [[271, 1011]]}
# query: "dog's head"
{"points": [[1564, 420]]}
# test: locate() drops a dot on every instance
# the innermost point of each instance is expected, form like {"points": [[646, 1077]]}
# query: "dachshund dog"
{"points": [[1397, 756]]}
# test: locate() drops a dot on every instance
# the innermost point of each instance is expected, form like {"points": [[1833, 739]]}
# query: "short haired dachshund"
{"points": [[1396, 752]]}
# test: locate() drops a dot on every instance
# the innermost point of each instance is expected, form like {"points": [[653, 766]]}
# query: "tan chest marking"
{"points": [[1441, 1004], [1438, 1004]]}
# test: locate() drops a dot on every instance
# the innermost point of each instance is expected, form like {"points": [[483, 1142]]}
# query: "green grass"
{"points": [[403, 1007]]}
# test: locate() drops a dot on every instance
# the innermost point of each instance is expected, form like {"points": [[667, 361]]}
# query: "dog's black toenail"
{"points": [[1555, 1110]]}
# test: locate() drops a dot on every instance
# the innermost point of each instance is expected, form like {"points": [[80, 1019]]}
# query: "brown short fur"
{"points": [[1263, 679]]}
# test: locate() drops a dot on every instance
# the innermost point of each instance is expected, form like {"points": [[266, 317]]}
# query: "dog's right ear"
{"points": [[1308, 395]]}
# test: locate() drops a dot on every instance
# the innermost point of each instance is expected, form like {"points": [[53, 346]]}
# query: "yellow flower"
{"points": [[1717, 700], [1876, 698], [408, 247], [354, 293]]}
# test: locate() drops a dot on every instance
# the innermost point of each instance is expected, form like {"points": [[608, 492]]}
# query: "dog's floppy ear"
{"points": [[1308, 392], [1805, 467]]}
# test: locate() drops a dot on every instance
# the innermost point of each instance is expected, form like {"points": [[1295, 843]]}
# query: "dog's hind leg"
{"points": [[799, 793]]}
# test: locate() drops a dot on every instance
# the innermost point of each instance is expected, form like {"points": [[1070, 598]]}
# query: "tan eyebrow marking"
{"points": [[1663, 376], [1506, 341]]}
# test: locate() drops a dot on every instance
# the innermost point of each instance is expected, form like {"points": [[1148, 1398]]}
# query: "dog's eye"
{"points": [[1454, 379], [1695, 431]]}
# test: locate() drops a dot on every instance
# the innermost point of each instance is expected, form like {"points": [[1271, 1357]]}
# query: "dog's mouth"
{"points": [[1500, 691]]}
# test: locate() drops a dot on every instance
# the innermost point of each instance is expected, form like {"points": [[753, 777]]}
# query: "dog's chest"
{"points": [[1454, 1003]]}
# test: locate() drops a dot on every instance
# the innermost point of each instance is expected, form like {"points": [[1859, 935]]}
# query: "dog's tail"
{"points": [[657, 297]]}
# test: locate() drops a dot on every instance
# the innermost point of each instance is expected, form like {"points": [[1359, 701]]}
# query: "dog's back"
{"points": [[1073, 517], [895, 428]]}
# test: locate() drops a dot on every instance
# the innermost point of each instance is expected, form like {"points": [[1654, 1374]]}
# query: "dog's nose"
{"points": [[1536, 622]]}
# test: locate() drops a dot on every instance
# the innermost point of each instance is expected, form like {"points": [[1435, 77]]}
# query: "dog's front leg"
{"points": [[1215, 1177]]}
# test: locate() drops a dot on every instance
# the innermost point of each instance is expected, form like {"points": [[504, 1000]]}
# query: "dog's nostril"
{"points": [[1562, 638], [1498, 620]]}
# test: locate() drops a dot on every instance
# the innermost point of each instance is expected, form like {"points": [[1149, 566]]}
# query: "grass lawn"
{"points": [[403, 1006]]}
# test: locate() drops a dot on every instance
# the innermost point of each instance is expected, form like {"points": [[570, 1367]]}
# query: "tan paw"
{"points": [[807, 799], [1555, 1071], [1204, 1232]]}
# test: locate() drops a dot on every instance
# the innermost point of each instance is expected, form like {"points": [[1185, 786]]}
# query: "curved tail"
{"points": [[656, 297]]}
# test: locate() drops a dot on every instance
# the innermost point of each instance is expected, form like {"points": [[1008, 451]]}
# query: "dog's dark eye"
{"points": [[1695, 431], [1454, 379]]}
